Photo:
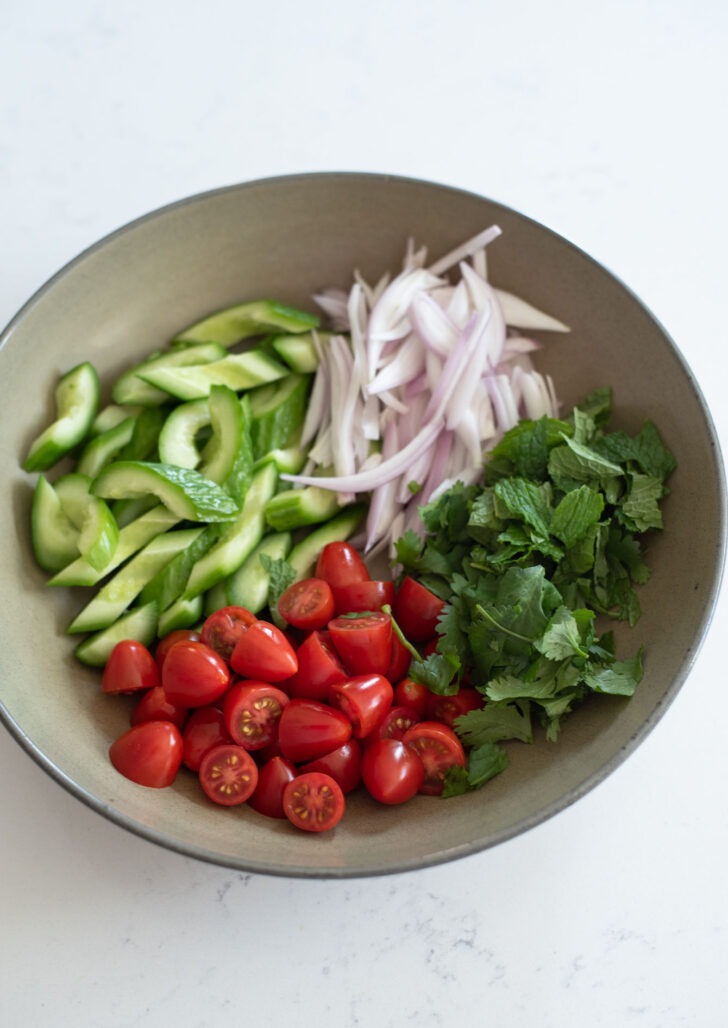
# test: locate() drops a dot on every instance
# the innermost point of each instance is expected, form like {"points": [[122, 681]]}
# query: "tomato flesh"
{"points": [[314, 802], [319, 668], [448, 708], [439, 749], [228, 775], [130, 667], [264, 653], [397, 722], [149, 754], [251, 711], [223, 628], [194, 675], [391, 771], [308, 604], [363, 643]]}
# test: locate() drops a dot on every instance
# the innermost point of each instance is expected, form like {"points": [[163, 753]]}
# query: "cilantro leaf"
{"points": [[484, 762], [495, 722]]}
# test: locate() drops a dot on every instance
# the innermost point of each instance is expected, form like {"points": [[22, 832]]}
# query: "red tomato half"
{"points": [[308, 729], [165, 644], [313, 802], [228, 775], [149, 754], [448, 708], [397, 721], [130, 667], [416, 610], [223, 628], [204, 729], [319, 668], [343, 764], [439, 749], [408, 693], [308, 604], [365, 700], [340, 564], [363, 643], [264, 653], [273, 777], [252, 711], [359, 596], [400, 661], [155, 706], [391, 771], [194, 675]]}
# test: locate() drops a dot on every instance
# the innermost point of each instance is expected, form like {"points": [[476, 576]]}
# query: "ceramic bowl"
{"points": [[287, 238]]}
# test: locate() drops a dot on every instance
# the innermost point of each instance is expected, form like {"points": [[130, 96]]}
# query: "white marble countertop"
{"points": [[607, 123]]}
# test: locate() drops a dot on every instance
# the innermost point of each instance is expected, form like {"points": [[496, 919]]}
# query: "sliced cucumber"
{"points": [[244, 320], [299, 351], [238, 371], [140, 623], [178, 438], [184, 491], [295, 508], [239, 538], [77, 402], [119, 592], [248, 586], [169, 582], [111, 416], [278, 411], [184, 613], [228, 457], [145, 437], [104, 448], [304, 555], [54, 536], [98, 532], [215, 598], [130, 388]]}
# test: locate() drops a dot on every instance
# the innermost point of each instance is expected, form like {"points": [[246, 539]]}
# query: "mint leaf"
{"points": [[281, 574], [641, 507], [526, 500], [576, 513], [575, 463]]}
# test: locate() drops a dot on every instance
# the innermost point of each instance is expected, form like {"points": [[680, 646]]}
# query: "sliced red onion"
{"points": [[459, 308], [440, 458], [483, 295], [333, 302], [521, 314], [389, 312], [519, 344], [465, 250], [407, 362], [506, 410], [432, 324], [457, 363]]}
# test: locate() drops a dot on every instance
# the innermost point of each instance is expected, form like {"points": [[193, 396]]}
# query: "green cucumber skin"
{"points": [[241, 321], [304, 555], [104, 448], [238, 371], [77, 404], [278, 412], [177, 438], [53, 534], [184, 491], [298, 508], [248, 586], [130, 389], [181, 614], [299, 351], [139, 624]]}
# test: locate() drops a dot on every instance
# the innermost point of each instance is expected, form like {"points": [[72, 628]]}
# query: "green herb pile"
{"points": [[525, 561]]}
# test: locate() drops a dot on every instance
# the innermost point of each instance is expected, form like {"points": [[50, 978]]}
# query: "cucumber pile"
{"points": [[167, 499]]}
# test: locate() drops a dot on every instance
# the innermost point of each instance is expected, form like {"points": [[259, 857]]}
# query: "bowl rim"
{"points": [[520, 827]]}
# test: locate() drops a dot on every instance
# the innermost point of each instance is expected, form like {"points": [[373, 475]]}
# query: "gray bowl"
{"points": [[287, 238]]}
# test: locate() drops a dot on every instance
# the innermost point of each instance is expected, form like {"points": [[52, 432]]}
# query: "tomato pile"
{"points": [[290, 720]]}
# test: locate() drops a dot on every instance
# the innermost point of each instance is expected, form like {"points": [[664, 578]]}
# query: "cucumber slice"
{"points": [[169, 583], [145, 437], [132, 538], [244, 320], [130, 388], [248, 586], [178, 438], [119, 592], [53, 534], [126, 511], [98, 532], [184, 613], [299, 352], [77, 402], [228, 457], [304, 555], [185, 492], [140, 623], [289, 460], [104, 448], [294, 508], [238, 371], [239, 538], [111, 416], [278, 411]]}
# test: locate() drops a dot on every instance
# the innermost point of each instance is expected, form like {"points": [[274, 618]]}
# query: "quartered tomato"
{"points": [[391, 771], [314, 802], [364, 643], [365, 701], [308, 604], [204, 730], [149, 754], [130, 667], [319, 668], [223, 628], [355, 597], [228, 775], [439, 749], [308, 729], [264, 653], [273, 777], [343, 764], [340, 564], [416, 610], [252, 711], [156, 706], [194, 675]]}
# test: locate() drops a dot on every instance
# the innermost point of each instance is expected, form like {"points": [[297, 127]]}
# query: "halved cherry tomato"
{"points": [[439, 749], [343, 764], [204, 729], [308, 604], [156, 706], [416, 610], [340, 564], [273, 777], [130, 667], [252, 711], [355, 597], [194, 675], [400, 661], [228, 775], [448, 708], [149, 754], [264, 653], [397, 721], [223, 628], [308, 729], [408, 693], [314, 802], [167, 642], [365, 700], [391, 771], [319, 668], [364, 643]]}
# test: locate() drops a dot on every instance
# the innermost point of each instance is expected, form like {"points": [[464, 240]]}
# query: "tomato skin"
{"points": [[165, 645], [204, 729], [363, 643], [447, 708], [194, 675], [391, 771], [149, 754], [251, 711], [355, 597], [313, 802], [319, 668], [228, 775], [273, 777], [264, 653], [439, 749], [409, 693], [343, 764], [223, 628], [130, 667], [340, 564], [416, 610], [308, 604], [154, 705], [308, 729], [365, 701], [400, 660], [397, 721]]}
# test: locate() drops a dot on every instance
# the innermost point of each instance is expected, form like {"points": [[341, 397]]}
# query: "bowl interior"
{"points": [[287, 238]]}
